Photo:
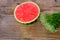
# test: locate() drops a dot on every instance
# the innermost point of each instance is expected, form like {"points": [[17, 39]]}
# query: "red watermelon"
{"points": [[26, 12]]}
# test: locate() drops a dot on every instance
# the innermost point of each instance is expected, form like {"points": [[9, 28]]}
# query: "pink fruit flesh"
{"points": [[26, 12]]}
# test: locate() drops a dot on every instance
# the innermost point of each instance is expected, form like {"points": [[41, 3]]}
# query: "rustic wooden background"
{"points": [[11, 30]]}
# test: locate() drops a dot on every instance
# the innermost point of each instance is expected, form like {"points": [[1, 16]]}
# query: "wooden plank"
{"points": [[12, 30]]}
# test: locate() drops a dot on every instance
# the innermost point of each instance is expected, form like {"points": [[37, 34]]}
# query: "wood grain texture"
{"points": [[12, 30]]}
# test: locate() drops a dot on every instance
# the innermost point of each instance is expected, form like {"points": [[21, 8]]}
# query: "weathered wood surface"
{"points": [[11, 30]]}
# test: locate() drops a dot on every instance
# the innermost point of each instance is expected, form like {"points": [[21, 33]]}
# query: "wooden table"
{"points": [[12, 30]]}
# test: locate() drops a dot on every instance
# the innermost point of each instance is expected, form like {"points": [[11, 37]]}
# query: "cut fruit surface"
{"points": [[26, 12]]}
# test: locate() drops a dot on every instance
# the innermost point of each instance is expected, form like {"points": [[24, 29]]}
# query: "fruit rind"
{"points": [[29, 21], [47, 25]]}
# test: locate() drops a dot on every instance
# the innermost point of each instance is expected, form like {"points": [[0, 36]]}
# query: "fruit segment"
{"points": [[27, 12]]}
